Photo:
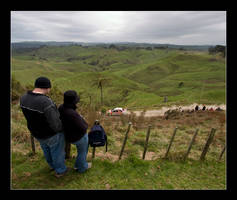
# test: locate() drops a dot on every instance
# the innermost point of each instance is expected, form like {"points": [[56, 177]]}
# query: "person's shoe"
{"points": [[62, 174], [89, 165], [51, 169]]}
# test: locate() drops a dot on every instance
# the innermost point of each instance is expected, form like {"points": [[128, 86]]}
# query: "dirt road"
{"points": [[160, 112]]}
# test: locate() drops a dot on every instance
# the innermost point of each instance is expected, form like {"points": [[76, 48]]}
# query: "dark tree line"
{"points": [[217, 49]]}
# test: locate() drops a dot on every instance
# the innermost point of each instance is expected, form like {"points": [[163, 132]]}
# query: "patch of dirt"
{"points": [[18, 147], [149, 155], [104, 155]]}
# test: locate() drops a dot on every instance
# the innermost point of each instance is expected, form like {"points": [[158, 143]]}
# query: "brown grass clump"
{"points": [[132, 117], [90, 114], [104, 155], [19, 130]]}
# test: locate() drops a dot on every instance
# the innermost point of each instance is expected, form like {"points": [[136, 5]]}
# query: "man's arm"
{"points": [[79, 122], [52, 115]]}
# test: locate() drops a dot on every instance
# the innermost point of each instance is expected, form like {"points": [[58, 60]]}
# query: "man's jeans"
{"points": [[82, 150], [54, 152]]}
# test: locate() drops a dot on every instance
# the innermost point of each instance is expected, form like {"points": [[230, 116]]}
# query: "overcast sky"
{"points": [[172, 27]]}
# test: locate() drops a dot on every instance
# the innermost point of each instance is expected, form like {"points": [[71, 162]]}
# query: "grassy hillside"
{"points": [[139, 78], [131, 172], [136, 79]]}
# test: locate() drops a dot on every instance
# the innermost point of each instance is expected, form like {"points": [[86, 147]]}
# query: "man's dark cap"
{"points": [[42, 82]]}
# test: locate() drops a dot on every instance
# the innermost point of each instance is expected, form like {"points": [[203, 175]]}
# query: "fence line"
{"points": [[222, 152], [67, 150], [125, 139], [146, 143], [171, 141], [32, 144], [206, 147], [202, 157], [93, 153], [190, 145]]}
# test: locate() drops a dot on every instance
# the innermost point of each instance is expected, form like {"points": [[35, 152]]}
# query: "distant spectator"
{"points": [[165, 99], [211, 109], [218, 109], [196, 108], [204, 107]]}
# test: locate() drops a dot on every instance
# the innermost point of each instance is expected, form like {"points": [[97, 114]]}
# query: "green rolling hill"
{"points": [[136, 77]]}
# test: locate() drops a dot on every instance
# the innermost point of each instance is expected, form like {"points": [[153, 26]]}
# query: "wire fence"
{"points": [[205, 148]]}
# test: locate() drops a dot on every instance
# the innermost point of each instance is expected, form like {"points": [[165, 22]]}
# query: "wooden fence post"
{"points": [[190, 145], [67, 150], [97, 122], [222, 152], [171, 142], [32, 143], [125, 139], [93, 152], [146, 144], [209, 140]]}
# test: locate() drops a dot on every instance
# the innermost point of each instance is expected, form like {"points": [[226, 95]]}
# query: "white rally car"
{"points": [[116, 112]]}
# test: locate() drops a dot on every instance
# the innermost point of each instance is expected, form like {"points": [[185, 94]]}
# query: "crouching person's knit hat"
{"points": [[71, 97]]}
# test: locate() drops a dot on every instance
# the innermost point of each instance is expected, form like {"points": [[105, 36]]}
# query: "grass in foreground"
{"points": [[131, 173]]}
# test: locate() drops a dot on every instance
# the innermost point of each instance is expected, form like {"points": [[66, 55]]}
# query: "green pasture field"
{"points": [[137, 77]]}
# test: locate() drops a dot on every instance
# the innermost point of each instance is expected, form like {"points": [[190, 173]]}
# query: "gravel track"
{"points": [[160, 112]]}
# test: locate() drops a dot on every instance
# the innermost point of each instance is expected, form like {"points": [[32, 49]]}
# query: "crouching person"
{"points": [[43, 121], [75, 128]]}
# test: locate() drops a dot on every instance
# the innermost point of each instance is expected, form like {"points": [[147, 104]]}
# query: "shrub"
{"points": [[56, 95], [181, 84], [16, 90], [103, 110]]}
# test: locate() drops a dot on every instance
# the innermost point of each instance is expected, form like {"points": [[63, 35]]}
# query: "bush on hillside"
{"points": [[29, 87], [218, 49], [103, 110], [14, 96], [181, 84], [56, 95], [16, 90]]}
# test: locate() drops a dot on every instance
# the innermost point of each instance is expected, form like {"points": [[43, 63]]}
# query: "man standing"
{"points": [[45, 125]]}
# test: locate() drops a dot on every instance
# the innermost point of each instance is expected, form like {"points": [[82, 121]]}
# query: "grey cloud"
{"points": [[136, 26], [165, 26]]}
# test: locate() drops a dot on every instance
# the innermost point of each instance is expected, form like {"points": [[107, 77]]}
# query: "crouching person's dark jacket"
{"points": [[43, 118], [74, 125]]}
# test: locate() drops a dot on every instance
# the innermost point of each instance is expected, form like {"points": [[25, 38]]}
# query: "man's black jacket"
{"points": [[74, 125], [43, 118]]}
